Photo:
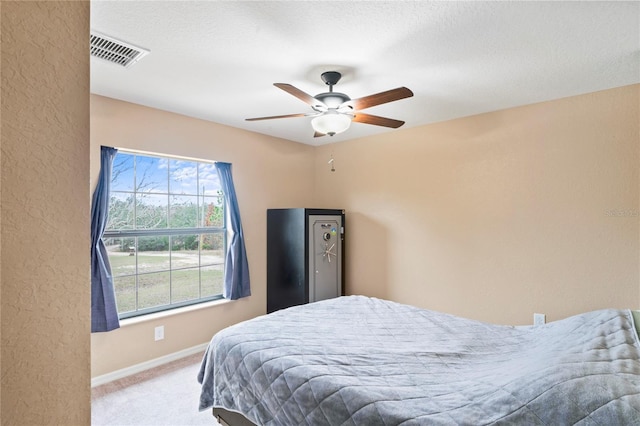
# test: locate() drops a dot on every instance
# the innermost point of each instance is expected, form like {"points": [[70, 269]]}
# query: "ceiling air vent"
{"points": [[115, 51]]}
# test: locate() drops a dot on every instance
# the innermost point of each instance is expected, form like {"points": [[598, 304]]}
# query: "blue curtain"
{"points": [[236, 268], [104, 313]]}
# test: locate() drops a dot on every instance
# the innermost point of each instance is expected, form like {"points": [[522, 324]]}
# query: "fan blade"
{"points": [[381, 98], [304, 97], [279, 116], [318, 135], [360, 117]]}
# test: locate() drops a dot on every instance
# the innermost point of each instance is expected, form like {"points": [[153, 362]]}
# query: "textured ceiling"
{"points": [[218, 60]]}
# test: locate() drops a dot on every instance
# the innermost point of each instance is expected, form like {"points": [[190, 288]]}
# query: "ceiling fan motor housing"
{"points": [[332, 100]]}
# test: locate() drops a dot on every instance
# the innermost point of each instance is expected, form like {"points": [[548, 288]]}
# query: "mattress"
{"points": [[357, 360]]}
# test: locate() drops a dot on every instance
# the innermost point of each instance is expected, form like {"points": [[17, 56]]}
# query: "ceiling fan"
{"points": [[333, 112]]}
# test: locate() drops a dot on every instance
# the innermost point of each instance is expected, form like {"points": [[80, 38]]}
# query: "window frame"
{"points": [[168, 232]]}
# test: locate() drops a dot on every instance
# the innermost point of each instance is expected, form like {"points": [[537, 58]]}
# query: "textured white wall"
{"points": [[45, 214]]}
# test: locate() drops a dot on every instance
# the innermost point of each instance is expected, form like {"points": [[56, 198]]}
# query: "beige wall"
{"points": [[268, 172], [45, 344], [494, 217], [499, 215], [1, 341]]}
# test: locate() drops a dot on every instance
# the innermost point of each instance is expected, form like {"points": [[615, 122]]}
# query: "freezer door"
{"points": [[325, 257]]}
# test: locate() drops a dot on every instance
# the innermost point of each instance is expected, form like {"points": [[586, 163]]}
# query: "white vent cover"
{"points": [[115, 51]]}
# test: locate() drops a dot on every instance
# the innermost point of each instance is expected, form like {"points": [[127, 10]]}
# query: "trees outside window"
{"points": [[166, 234]]}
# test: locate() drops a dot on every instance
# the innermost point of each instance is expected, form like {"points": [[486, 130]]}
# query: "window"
{"points": [[166, 234]]}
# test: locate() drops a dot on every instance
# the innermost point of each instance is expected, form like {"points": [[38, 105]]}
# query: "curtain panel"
{"points": [[236, 268], [104, 313]]}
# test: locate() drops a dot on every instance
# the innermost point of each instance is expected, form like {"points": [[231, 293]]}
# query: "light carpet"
{"points": [[165, 395]]}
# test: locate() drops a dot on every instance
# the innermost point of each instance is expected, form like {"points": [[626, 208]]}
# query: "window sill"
{"points": [[172, 312]]}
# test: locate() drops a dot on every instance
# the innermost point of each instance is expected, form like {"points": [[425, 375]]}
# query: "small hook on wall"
{"points": [[333, 168]]}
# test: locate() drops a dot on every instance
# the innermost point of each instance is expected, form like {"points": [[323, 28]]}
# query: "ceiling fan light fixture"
{"points": [[331, 123], [334, 111]]}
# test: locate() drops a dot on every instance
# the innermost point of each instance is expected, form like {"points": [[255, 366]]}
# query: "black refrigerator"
{"points": [[305, 256]]}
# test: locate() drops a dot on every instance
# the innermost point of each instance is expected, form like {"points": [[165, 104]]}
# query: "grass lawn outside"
{"points": [[165, 277]]}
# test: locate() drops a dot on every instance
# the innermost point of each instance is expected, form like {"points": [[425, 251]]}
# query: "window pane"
{"points": [[149, 193], [183, 211], [153, 254], [152, 174], [121, 255], [120, 211], [151, 211], [125, 293], [209, 180], [183, 177], [184, 251], [213, 212], [122, 172], [153, 290], [211, 278], [185, 285], [212, 252]]}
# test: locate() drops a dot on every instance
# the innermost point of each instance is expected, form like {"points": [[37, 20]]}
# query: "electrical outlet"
{"points": [[539, 319], [159, 333]]}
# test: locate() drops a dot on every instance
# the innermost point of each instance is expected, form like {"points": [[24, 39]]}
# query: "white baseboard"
{"points": [[137, 368]]}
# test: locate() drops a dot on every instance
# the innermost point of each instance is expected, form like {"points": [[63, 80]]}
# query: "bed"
{"points": [[356, 360]]}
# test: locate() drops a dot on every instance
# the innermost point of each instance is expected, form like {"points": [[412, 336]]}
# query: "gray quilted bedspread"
{"points": [[364, 361]]}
